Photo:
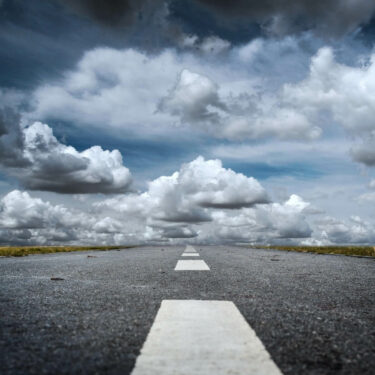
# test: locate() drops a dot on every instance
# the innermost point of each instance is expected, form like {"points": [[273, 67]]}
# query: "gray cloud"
{"points": [[354, 230], [11, 139], [188, 194], [284, 220], [195, 100], [365, 152], [147, 18], [15, 237], [133, 219], [183, 89], [331, 17], [18, 210], [41, 162], [344, 92], [179, 232], [110, 12], [191, 98], [28, 220], [178, 206], [205, 184], [278, 17]]}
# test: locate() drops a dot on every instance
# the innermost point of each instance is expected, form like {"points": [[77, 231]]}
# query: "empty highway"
{"points": [[197, 310]]}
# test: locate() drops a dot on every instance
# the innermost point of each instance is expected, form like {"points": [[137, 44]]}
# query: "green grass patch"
{"points": [[368, 251], [28, 250]]}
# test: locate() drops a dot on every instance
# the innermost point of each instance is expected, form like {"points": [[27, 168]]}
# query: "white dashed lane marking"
{"points": [[191, 265], [190, 249], [190, 255], [191, 337]]}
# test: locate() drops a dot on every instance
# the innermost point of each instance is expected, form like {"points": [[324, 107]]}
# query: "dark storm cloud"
{"points": [[234, 205], [108, 12], [142, 24], [331, 17], [365, 153], [11, 140], [179, 232], [51, 36], [39, 39], [112, 12]]}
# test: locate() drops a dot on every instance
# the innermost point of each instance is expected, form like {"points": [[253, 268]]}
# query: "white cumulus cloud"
{"points": [[41, 162]]}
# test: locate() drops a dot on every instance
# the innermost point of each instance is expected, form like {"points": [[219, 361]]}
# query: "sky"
{"points": [[187, 121]]}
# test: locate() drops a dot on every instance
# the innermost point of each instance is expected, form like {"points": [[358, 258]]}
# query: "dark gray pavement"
{"points": [[314, 313]]}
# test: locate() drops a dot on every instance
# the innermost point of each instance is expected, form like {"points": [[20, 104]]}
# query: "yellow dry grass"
{"points": [[28, 250], [342, 250]]}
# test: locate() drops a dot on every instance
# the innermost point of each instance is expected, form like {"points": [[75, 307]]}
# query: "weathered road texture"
{"points": [[314, 313]]}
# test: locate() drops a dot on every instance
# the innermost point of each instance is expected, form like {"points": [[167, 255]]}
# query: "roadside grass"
{"points": [[29, 250], [368, 251]]}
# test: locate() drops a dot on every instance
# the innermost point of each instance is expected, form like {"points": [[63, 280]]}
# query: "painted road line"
{"points": [[202, 338], [191, 265], [190, 249], [190, 255]]}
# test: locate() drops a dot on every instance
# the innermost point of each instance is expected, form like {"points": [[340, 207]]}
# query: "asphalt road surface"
{"points": [[313, 313]]}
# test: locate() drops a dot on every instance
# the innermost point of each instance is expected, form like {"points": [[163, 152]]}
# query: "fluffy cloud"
{"points": [[60, 168], [202, 202], [212, 45], [288, 218], [20, 211], [354, 230], [332, 94], [169, 209], [199, 93], [28, 220], [195, 99], [267, 223], [105, 89], [187, 203], [240, 103], [187, 195], [41, 162], [346, 93], [210, 204]]}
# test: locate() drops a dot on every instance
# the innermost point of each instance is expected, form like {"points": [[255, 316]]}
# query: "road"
{"points": [[313, 313]]}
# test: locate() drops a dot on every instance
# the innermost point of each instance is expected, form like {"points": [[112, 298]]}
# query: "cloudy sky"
{"points": [[187, 121]]}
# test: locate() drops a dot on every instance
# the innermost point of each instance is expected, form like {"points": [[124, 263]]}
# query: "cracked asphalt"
{"points": [[314, 313]]}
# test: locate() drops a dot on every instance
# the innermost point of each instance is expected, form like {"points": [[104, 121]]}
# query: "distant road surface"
{"points": [[194, 310]]}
